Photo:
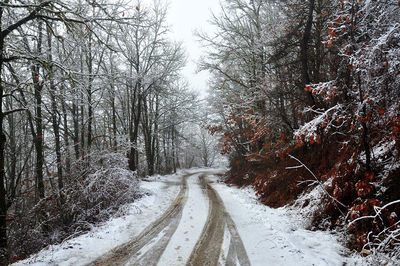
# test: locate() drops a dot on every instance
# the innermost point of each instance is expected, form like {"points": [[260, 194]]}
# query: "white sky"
{"points": [[184, 17]]}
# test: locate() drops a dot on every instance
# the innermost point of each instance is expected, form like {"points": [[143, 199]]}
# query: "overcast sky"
{"points": [[186, 16]]}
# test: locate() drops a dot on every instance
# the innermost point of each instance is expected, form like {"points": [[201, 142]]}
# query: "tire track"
{"points": [[129, 252], [208, 249], [236, 246]]}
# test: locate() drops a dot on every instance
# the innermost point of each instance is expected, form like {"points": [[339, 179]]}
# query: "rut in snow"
{"points": [[165, 225]]}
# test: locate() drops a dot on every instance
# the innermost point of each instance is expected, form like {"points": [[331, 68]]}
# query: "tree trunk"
{"points": [[164, 142], [12, 161], [3, 204], [66, 136], [54, 116], [154, 144], [174, 160], [114, 123], [82, 114], [114, 142], [134, 127], [89, 61], [75, 118], [148, 121], [38, 141], [304, 51], [3, 195]]}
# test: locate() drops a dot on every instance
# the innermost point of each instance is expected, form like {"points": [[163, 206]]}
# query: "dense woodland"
{"points": [[91, 98], [308, 94]]}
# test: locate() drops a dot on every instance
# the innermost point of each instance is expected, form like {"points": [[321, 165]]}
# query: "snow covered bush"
{"points": [[110, 186], [106, 186], [92, 194]]}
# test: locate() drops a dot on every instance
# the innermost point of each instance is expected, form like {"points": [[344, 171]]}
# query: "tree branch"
{"points": [[13, 111], [24, 20], [320, 183]]}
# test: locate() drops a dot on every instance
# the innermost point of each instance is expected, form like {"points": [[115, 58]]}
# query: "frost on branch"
{"points": [[382, 240], [325, 120]]}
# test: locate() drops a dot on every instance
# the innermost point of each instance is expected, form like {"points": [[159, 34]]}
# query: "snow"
{"points": [[135, 217], [270, 236], [302, 213], [277, 236], [225, 247], [190, 227], [309, 129]]}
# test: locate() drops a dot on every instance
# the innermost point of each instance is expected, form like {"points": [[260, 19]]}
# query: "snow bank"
{"points": [[278, 236]]}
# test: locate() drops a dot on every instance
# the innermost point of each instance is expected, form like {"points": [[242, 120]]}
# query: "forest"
{"points": [[303, 95], [308, 94], [91, 98]]}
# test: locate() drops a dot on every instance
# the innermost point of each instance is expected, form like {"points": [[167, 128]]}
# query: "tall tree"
{"points": [[6, 29]]}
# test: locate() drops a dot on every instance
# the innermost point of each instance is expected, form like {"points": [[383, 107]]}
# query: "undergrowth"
{"points": [[93, 193], [353, 197]]}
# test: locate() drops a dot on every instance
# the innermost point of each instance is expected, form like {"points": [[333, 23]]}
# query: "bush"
{"points": [[96, 192]]}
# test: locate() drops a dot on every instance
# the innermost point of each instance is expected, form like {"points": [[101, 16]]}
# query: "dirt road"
{"points": [[167, 241]]}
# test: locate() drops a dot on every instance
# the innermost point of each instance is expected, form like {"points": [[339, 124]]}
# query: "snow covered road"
{"points": [[190, 232], [193, 219]]}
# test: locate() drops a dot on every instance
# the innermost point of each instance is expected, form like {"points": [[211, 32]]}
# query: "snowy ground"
{"points": [[269, 236], [100, 240], [277, 236]]}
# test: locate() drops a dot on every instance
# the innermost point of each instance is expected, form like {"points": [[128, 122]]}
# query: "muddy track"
{"points": [[129, 253], [208, 248]]}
